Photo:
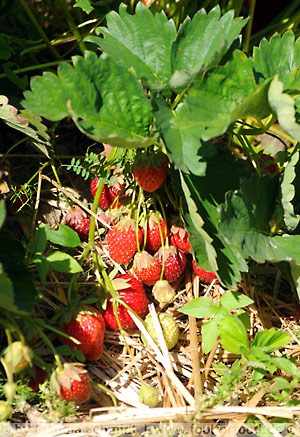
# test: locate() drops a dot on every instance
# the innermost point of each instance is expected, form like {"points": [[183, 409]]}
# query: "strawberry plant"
{"points": [[184, 196], [173, 106]]}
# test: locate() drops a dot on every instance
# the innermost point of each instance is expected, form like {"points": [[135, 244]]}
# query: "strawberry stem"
{"points": [[38, 329], [161, 234], [106, 390], [140, 200], [91, 238]]}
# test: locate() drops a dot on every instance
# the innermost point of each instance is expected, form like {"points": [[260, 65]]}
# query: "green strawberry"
{"points": [[148, 395], [169, 328]]}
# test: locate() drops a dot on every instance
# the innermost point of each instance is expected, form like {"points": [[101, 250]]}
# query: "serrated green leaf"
{"points": [[270, 340], [245, 216], [200, 307], [2, 212], [287, 193], [63, 262], [104, 99], [142, 41], [260, 359], [232, 300], [201, 43], [202, 225], [195, 222], [186, 152], [278, 56], [206, 112], [233, 334], [209, 333], [284, 106], [12, 258]]}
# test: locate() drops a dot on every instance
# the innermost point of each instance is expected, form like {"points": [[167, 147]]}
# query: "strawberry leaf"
{"points": [[210, 333], [278, 56], [64, 236], [200, 307], [63, 262], [104, 99], [142, 41], [186, 151], [206, 113], [232, 300], [284, 106], [211, 249], [287, 193], [233, 335], [19, 293], [201, 43], [245, 216], [270, 340], [21, 121]]}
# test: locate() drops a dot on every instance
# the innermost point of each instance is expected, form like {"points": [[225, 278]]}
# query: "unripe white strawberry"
{"points": [[17, 356], [163, 292], [169, 328]]}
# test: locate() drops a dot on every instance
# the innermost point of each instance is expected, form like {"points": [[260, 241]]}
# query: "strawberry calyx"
{"points": [[70, 381], [146, 268], [149, 158]]}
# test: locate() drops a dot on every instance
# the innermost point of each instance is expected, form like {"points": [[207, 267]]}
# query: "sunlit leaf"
{"points": [[104, 99]]}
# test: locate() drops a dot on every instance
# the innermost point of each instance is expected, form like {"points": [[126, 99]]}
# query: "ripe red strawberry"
{"points": [[132, 292], [122, 241], [88, 326], [150, 170], [79, 221], [38, 377], [153, 237], [71, 383], [175, 262], [146, 268], [108, 193], [179, 238], [204, 275]]}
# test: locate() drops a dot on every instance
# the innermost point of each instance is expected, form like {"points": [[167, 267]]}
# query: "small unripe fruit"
{"points": [[17, 356], [169, 328], [5, 411], [163, 292], [149, 395]]}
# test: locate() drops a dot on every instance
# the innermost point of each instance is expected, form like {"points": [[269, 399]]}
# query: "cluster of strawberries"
{"points": [[154, 252]]}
